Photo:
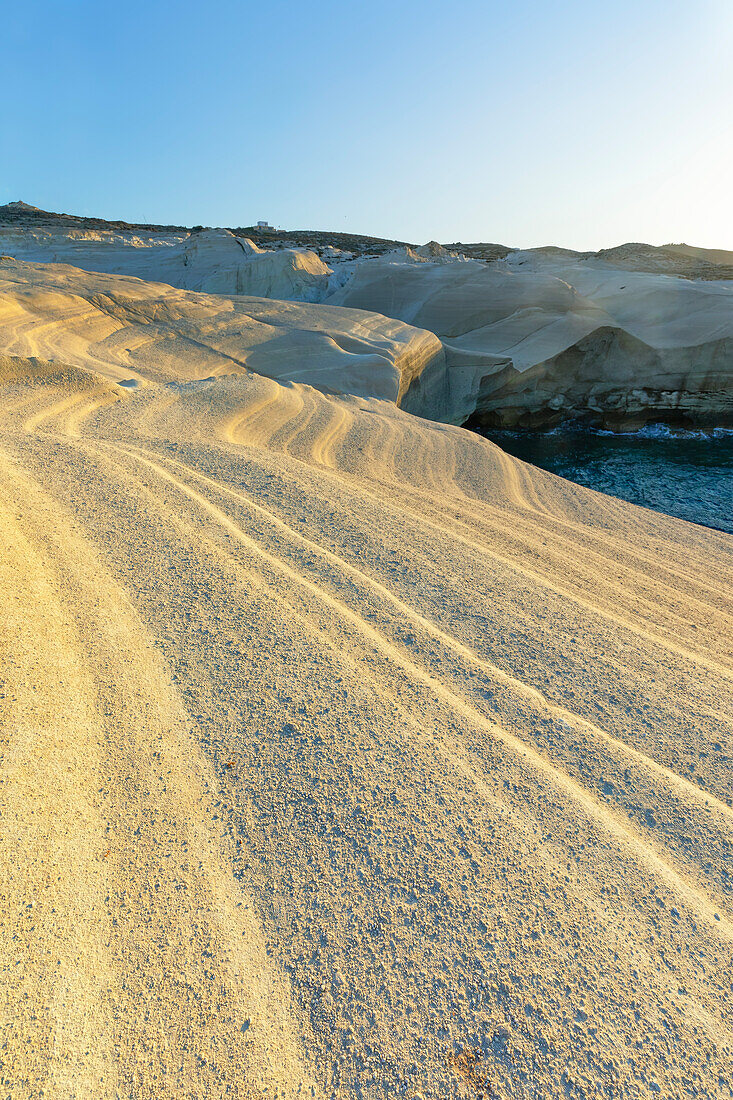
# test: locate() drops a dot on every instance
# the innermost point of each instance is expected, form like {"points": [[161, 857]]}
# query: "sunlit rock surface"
{"points": [[211, 260], [345, 756], [537, 339], [530, 339], [139, 330]]}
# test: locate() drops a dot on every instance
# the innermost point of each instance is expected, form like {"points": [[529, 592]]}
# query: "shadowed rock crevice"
{"points": [[611, 380]]}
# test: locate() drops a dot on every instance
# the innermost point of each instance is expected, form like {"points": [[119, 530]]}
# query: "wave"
{"points": [[649, 431]]}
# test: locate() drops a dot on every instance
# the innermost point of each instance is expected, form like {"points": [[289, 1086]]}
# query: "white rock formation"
{"points": [[542, 337], [136, 329], [614, 339], [344, 755], [210, 260]]}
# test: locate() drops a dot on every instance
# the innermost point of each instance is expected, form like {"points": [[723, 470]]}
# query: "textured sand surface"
{"points": [[344, 755]]}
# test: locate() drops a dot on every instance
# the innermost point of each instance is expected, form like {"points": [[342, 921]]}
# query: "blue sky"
{"points": [[523, 122]]}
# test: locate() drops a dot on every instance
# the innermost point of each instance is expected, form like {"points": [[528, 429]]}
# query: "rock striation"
{"points": [[214, 261], [137, 330], [527, 339], [370, 760], [543, 337]]}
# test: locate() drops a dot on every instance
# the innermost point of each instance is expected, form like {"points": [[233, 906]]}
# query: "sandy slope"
{"points": [[346, 755]]}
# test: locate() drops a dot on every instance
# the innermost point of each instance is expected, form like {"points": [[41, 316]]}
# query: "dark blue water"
{"points": [[688, 474]]}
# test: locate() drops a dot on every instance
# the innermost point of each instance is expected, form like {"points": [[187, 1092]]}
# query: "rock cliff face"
{"points": [[212, 260], [611, 380], [515, 339], [540, 338]]}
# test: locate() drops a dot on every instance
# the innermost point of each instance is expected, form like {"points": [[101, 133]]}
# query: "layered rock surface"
{"points": [[540, 338], [344, 754], [136, 330], [210, 260], [614, 339]]}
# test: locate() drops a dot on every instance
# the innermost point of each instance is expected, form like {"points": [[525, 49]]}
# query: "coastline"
{"points": [[360, 753], [684, 473]]}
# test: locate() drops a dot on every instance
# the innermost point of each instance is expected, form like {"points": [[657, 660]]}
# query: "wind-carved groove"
{"points": [[632, 841]]}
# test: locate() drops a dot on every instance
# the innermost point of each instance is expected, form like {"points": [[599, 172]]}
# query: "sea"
{"points": [[683, 473]]}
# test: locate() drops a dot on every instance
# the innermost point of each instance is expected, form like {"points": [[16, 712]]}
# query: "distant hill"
{"points": [[20, 214], [693, 263], [672, 259], [708, 255]]}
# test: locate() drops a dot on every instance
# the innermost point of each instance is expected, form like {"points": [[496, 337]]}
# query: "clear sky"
{"points": [[525, 122]]}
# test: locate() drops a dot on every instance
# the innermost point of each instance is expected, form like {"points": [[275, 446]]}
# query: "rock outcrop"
{"points": [[370, 760], [543, 337], [138, 329], [525, 339], [214, 261], [612, 380]]}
